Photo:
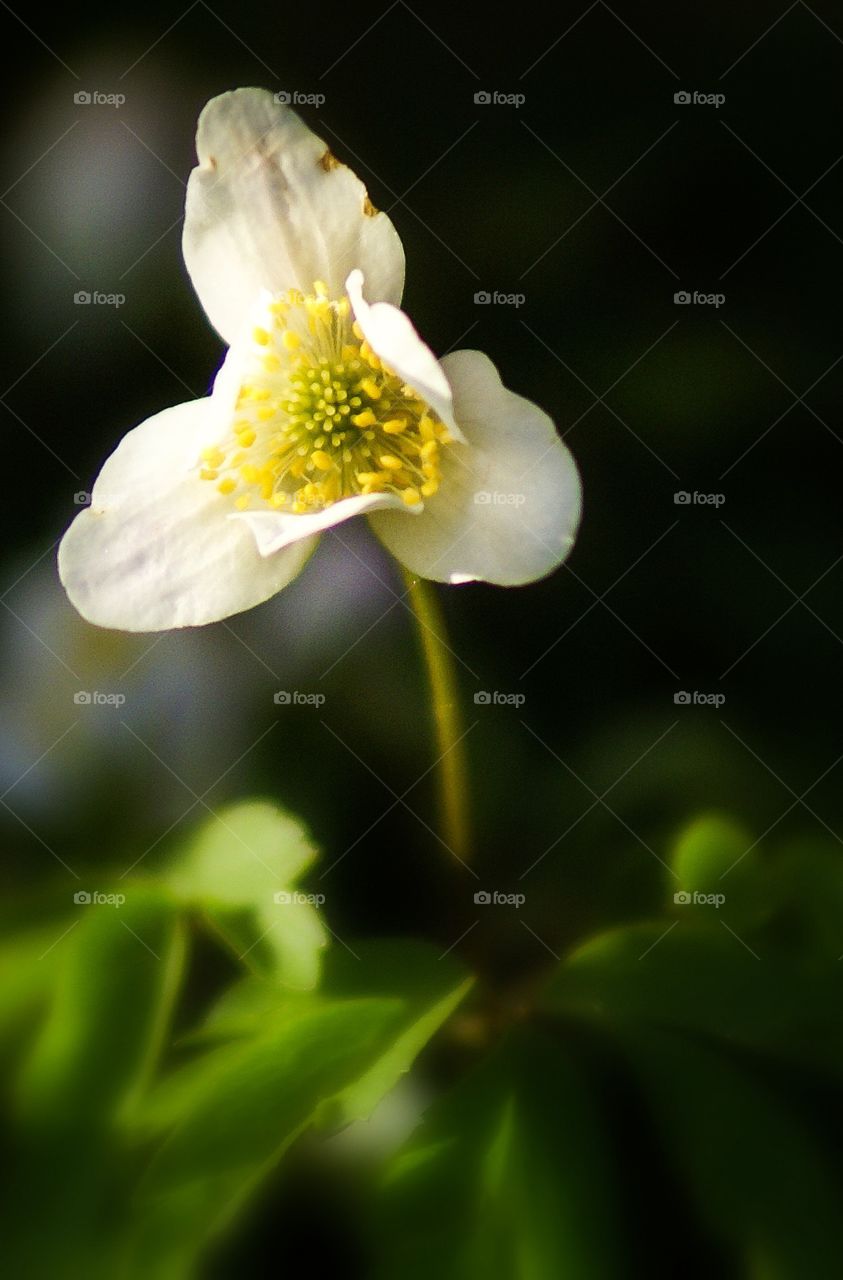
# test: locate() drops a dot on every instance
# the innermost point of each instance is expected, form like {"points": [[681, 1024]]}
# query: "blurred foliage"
{"points": [[142, 1139], [705, 1036]]}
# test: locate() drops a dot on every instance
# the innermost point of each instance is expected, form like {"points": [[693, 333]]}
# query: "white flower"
{"points": [[327, 406]]}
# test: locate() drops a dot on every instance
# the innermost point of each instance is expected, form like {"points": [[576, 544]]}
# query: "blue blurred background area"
{"points": [[651, 198]]}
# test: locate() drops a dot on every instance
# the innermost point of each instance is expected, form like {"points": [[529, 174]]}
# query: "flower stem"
{"points": [[439, 665]]}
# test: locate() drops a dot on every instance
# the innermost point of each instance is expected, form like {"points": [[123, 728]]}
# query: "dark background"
{"points": [[598, 199]]}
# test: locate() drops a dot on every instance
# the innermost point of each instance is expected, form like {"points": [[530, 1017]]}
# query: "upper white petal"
{"points": [[508, 506], [268, 207], [391, 336], [276, 529], [155, 549]]}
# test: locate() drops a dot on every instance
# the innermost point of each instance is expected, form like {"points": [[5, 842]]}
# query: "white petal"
{"points": [[268, 207], [276, 529], [508, 506], [155, 549], [392, 337]]}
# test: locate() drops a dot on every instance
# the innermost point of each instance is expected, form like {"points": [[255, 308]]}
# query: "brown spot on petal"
{"points": [[329, 161], [368, 208]]}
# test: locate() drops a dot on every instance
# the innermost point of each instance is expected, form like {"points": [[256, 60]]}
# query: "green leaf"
{"points": [[240, 1112], [115, 975], [761, 1183], [708, 848], [700, 977], [288, 1060], [119, 971], [430, 987], [508, 1179], [239, 869], [807, 881], [716, 856], [27, 966], [255, 1095], [242, 856]]}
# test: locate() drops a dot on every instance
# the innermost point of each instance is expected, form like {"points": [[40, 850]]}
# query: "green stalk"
{"points": [[450, 736]]}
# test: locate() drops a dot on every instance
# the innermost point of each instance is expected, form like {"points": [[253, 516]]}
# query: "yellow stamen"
{"points": [[320, 417]]}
